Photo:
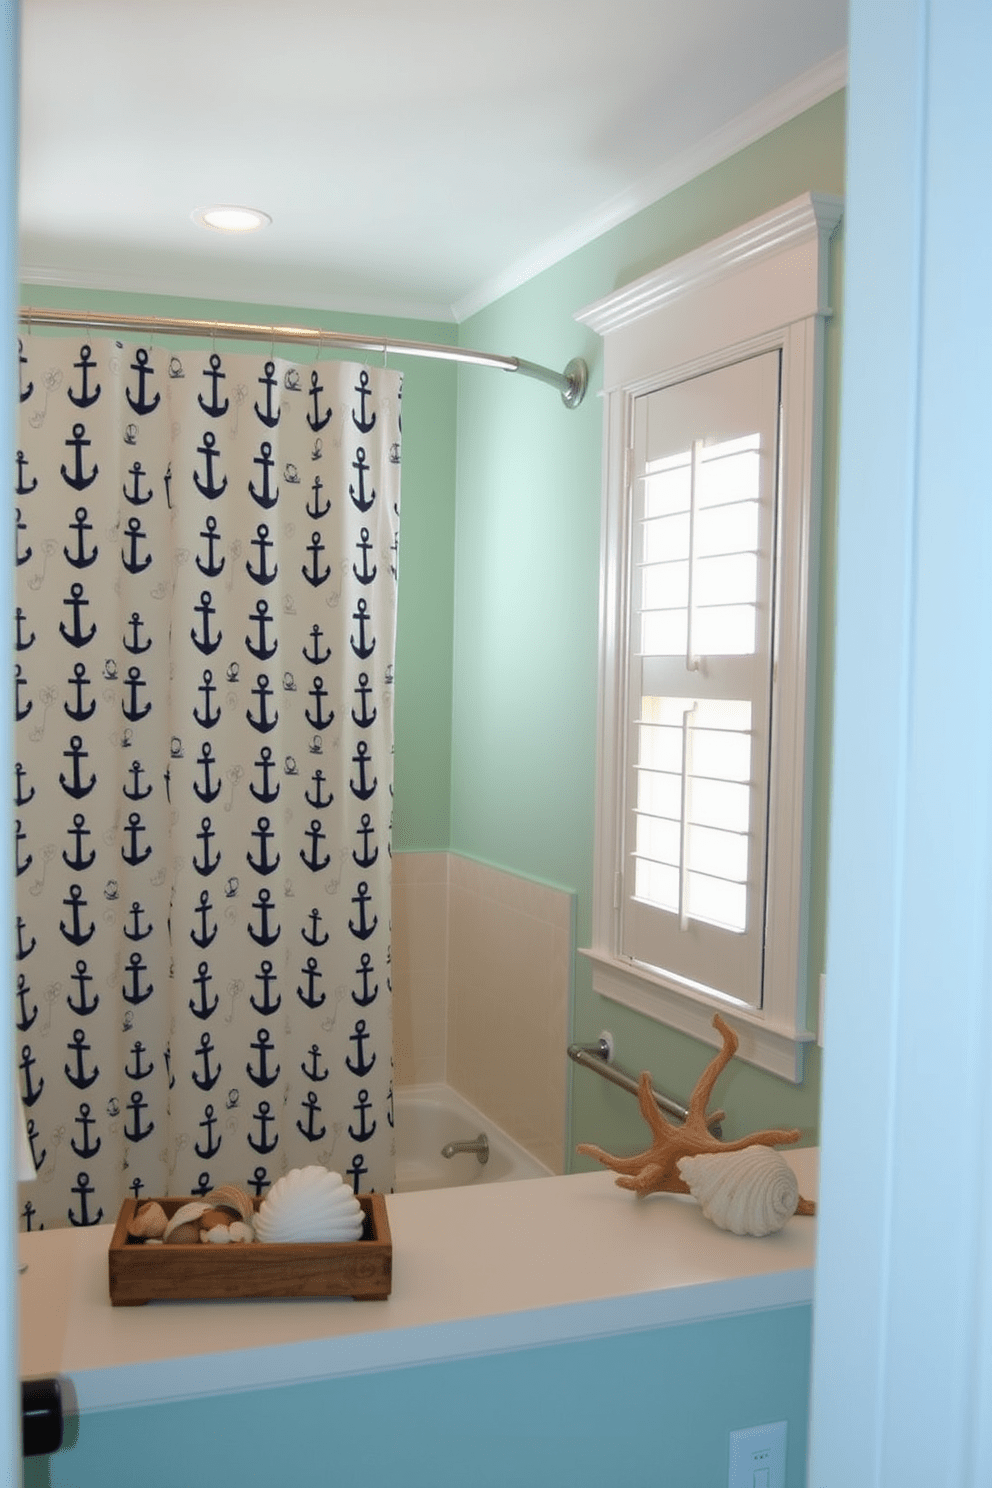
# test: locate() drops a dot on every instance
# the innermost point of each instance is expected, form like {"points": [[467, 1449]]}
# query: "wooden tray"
{"points": [[140, 1273]]}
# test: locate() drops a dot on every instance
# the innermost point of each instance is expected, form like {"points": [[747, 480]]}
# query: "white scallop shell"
{"points": [[309, 1204], [751, 1192]]}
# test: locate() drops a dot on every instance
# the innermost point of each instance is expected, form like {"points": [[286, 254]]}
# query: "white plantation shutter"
{"points": [[699, 677]]}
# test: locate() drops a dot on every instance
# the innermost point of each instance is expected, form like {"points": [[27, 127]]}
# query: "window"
{"points": [[713, 385]]}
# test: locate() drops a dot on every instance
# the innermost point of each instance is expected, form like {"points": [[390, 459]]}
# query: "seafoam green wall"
{"points": [[526, 603], [424, 621], [655, 1407]]}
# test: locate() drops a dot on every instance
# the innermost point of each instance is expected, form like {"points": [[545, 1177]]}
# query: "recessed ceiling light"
{"points": [[231, 219]]}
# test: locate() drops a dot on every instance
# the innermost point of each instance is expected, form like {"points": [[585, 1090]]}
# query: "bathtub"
{"points": [[427, 1118]]}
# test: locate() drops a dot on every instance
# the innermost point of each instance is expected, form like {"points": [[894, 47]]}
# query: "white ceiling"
{"points": [[418, 157]]}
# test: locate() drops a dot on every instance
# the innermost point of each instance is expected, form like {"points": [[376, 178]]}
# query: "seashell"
{"points": [[149, 1222], [185, 1234], [750, 1192], [309, 1204], [241, 1231], [229, 1196], [184, 1215]]}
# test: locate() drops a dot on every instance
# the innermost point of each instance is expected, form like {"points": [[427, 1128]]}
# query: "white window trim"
{"points": [[761, 287]]}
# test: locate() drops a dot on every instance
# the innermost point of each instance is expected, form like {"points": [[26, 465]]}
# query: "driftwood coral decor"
{"points": [[656, 1169]]}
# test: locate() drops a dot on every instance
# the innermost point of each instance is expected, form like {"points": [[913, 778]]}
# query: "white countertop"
{"points": [[476, 1270]]}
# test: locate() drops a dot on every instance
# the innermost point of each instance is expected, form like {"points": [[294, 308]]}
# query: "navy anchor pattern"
{"points": [[205, 609]]}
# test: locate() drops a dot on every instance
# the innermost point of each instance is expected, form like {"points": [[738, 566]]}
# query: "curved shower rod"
{"points": [[571, 383]]}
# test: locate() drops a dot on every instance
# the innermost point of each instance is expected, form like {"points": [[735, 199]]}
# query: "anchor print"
{"points": [[265, 935], [80, 1077], [265, 764], [136, 993], [134, 931], [204, 641], [366, 574], [313, 1070], [362, 422], [141, 1071], [135, 646], [22, 949], [78, 861], [210, 789], [209, 566], [206, 864], [130, 707], [20, 836], [212, 1148], [260, 616], [317, 835], [130, 851], [312, 973], [316, 508], [203, 1009], [131, 561], [77, 602], [258, 1182], [137, 497], [264, 832], [207, 933], [362, 647], [317, 718], [37, 1158], [81, 558], [313, 1110], [270, 383], [317, 656], [134, 792], [265, 463], [76, 753], [265, 1119], [31, 1092], [359, 1038], [20, 526], [83, 1188], [357, 1170], [25, 392], [79, 479], [85, 1119], [141, 404], [365, 719], [20, 644], [20, 797], [363, 1108], [84, 366], [362, 899], [315, 938], [263, 691], [362, 757], [25, 1018], [215, 408], [208, 487], [317, 799], [266, 975], [21, 488], [365, 831], [75, 903], [83, 1007], [263, 542], [21, 711], [263, 1044], [209, 715], [359, 499], [209, 1077], [316, 420], [137, 1132]]}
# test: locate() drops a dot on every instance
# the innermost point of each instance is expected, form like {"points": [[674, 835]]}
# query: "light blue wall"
{"points": [[655, 1408]]}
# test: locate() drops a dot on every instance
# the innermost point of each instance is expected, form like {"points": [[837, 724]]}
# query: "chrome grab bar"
{"points": [[597, 1057]]}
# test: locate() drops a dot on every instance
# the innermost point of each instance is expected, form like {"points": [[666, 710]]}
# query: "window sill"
{"points": [[779, 1049]]}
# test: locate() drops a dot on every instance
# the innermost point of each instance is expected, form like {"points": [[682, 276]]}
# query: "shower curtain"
{"points": [[206, 589]]}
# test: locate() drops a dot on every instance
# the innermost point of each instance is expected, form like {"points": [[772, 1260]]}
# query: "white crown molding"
{"points": [[190, 285], [786, 103], [811, 216]]}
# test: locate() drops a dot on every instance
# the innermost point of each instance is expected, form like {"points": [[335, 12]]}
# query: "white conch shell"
{"points": [[751, 1192], [309, 1204]]}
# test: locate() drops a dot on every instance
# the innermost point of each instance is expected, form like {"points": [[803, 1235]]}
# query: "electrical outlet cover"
{"points": [[757, 1456]]}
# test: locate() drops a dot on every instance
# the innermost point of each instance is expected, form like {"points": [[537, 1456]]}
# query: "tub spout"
{"points": [[480, 1147]]}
